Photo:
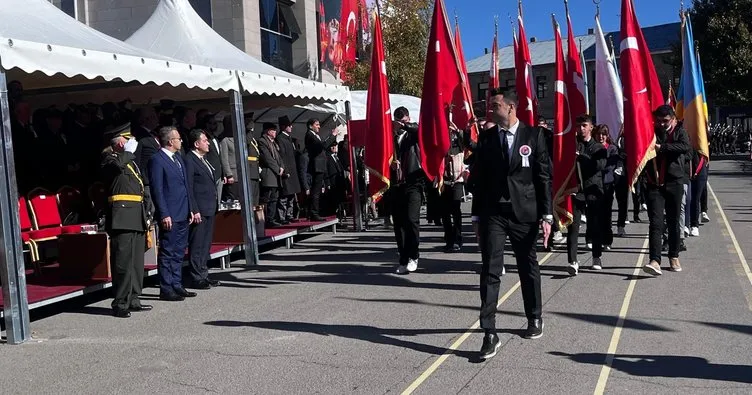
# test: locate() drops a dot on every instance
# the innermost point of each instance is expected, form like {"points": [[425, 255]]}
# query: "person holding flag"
{"points": [[512, 181]]}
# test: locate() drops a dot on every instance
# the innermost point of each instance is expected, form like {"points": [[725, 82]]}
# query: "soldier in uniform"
{"points": [[254, 172], [127, 220]]}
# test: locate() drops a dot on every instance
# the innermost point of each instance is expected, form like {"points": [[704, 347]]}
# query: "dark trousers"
{"points": [[406, 202], [607, 205], [593, 212], [621, 193], [698, 188], [317, 182], [284, 208], [172, 245], [451, 217], [127, 250], [433, 204], [704, 197], [494, 227], [199, 246], [668, 199], [270, 199]]}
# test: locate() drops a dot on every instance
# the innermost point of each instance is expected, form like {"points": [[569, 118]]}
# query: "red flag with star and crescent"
{"points": [[442, 82], [574, 76], [642, 93], [523, 65], [564, 140]]}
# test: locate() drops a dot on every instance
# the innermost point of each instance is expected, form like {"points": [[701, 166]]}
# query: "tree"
{"points": [[723, 33], [406, 25]]}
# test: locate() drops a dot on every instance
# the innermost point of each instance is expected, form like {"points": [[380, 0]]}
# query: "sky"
{"points": [[476, 18]]}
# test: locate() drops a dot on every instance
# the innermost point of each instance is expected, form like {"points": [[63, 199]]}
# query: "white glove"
{"points": [[131, 145], [619, 171]]}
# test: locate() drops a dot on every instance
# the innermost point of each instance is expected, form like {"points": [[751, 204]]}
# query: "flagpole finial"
{"points": [[597, 7], [566, 7], [456, 18], [519, 7]]}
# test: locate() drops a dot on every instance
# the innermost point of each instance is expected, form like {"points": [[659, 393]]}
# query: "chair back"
{"points": [[23, 213], [44, 210]]}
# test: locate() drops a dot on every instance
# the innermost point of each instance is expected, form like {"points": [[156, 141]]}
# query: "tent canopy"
{"points": [[360, 101], [175, 30], [42, 41]]}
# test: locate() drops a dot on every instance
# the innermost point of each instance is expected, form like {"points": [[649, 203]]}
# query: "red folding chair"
{"points": [[28, 235], [45, 214]]}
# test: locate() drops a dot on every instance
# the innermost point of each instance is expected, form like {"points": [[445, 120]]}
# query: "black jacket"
{"points": [[201, 185], [270, 162], [669, 166], [497, 178], [290, 181], [124, 182], [317, 149], [213, 156], [406, 151], [613, 161], [148, 145], [591, 162]]}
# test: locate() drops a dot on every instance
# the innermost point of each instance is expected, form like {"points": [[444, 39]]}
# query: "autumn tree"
{"points": [[723, 33], [406, 25]]}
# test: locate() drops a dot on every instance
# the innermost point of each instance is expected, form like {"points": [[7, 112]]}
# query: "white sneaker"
{"points": [[620, 232], [686, 231], [558, 237], [695, 231], [590, 246], [412, 265], [705, 217], [503, 270], [626, 222], [597, 264], [607, 247], [644, 207], [573, 268], [401, 269], [583, 219]]}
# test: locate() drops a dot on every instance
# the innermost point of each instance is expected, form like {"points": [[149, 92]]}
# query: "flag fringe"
{"points": [[376, 196], [649, 154], [560, 196]]}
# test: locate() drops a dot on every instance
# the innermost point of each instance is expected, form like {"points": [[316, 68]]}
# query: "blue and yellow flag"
{"points": [[691, 106]]}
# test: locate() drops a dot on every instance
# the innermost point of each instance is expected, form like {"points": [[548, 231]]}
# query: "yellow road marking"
{"points": [[435, 365], [742, 260], [606, 369]]}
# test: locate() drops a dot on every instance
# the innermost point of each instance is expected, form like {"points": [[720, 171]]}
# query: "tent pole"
{"points": [[241, 156], [355, 185], [12, 267]]}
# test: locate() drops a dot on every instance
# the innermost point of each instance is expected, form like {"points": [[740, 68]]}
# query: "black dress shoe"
{"points": [[185, 294], [491, 344], [214, 283], [534, 329], [273, 224], [199, 285], [171, 297], [120, 313], [636, 220], [285, 222], [316, 218], [141, 307]]}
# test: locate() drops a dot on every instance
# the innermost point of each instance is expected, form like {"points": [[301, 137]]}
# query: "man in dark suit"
{"points": [[210, 127], [145, 124], [512, 197], [272, 170], [203, 197], [127, 221], [169, 188], [317, 148], [336, 184], [290, 182]]}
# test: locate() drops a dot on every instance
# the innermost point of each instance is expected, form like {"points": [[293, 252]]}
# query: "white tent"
{"points": [[360, 100], [36, 37], [176, 30]]}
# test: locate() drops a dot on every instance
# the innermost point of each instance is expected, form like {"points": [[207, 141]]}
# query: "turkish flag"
{"points": [[442, 82], [348, 33], [493, 75], [379, 139], [523, 66], [462, 110], [574, 76], [565, 140], [642, 93]]}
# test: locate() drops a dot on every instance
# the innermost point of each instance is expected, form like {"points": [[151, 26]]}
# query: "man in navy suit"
{"points": [[203, 198], [169, 189]]}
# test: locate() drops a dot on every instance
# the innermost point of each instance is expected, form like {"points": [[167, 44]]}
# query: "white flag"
{"points": [[610, 101]]}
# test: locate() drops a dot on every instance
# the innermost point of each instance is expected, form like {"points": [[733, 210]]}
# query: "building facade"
{"points": [[661, 40], [283, 33]]}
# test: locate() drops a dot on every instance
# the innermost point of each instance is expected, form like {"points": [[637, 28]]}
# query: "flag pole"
{"points": [[519, 8], [597, 8]]}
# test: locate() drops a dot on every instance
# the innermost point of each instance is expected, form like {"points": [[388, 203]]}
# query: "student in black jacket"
{"points": [[610, 179], [666, 176]]}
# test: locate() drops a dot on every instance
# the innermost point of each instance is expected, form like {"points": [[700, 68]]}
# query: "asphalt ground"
{"points": [[328, 316]]}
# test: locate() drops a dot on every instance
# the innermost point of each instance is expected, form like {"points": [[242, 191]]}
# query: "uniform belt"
{"points": [[125, 198], [253, 158]]}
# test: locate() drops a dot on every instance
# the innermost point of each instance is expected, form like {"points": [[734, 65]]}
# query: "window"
{"points": [[278, 29], [541, 86], [67, 6], [482, 89], [204, 9]]}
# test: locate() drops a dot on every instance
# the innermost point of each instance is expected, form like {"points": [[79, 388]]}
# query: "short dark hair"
{"points": [[400, 113], [164, 135], [510, 96], [195, 135], [584, 118], [312, 121], [664, 111], [541, 118]]}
